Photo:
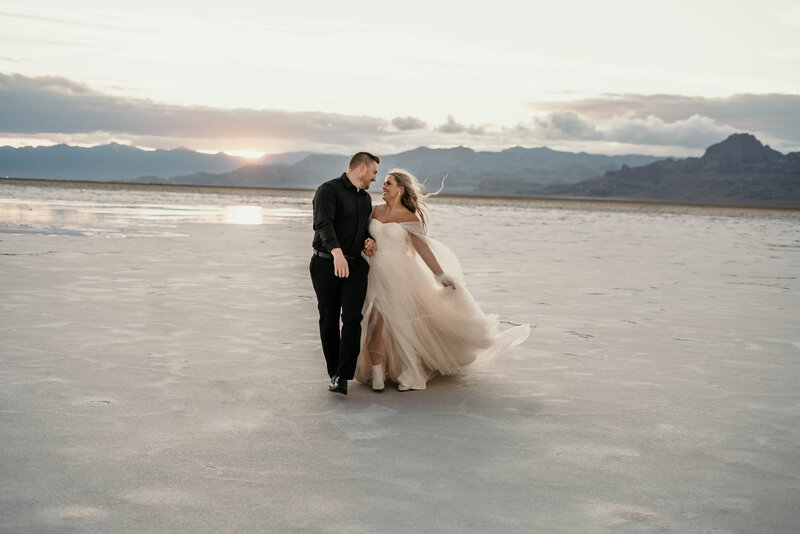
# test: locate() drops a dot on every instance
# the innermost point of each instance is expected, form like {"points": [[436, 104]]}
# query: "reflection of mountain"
{"points": [[739, 170], [116, 162], [512, 171]]}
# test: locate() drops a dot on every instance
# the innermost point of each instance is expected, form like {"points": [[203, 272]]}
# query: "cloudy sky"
{"points": [[655, 77]]}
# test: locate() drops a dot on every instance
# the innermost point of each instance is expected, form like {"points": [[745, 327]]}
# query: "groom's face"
{"points": [[370, 172]]}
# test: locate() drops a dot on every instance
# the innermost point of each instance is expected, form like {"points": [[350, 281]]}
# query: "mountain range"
{"points": [[738, 170], [467, 170]]}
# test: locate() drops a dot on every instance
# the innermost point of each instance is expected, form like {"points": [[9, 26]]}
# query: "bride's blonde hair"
{"points": [[413, 197]]}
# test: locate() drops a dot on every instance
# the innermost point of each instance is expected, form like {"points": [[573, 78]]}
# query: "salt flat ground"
{"points": [[160, 371]]}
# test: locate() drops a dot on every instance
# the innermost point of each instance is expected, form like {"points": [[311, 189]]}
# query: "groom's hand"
{"points": [[340, 267], [369, 247]]}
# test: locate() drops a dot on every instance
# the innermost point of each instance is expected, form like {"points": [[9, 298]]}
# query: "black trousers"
{"points": [[340, 297]]}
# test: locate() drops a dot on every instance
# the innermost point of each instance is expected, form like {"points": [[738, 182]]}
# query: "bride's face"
{"points": [[390, 189]]}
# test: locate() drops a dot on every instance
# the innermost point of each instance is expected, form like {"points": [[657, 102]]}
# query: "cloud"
{"points": [[53, 104], [565, 125], [453, 127], [695, 132], [408, 123], [776, 115]]}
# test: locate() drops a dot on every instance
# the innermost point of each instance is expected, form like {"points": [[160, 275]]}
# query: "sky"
{"points": [[251, 77]]}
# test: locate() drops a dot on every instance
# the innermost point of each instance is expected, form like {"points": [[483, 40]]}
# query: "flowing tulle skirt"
{"points": [[426, 329]]}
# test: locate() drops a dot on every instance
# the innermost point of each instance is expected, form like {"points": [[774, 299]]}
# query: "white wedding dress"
{"points": [[423, 328]]}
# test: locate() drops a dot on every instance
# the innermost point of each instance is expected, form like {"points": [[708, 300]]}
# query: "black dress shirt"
{"points": [[341, 216]]}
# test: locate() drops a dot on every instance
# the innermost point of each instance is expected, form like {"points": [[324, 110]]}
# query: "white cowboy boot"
{"points": [[377, 377]]}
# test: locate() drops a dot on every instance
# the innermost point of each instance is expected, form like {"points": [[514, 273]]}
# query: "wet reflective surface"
{"points": [[30, 210]]}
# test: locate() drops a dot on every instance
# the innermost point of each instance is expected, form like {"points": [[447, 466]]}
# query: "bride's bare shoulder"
{"points": [[378, 210], [406, 216], [381, 212]]}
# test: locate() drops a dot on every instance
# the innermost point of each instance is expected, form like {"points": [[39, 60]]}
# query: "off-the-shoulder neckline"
{"points": [[397, 222]]}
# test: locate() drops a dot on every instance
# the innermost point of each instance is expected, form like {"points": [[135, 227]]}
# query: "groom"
{"points": [[342, 209]]}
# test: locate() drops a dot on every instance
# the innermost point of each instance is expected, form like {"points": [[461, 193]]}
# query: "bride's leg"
{"points": [[376, 339], [375, 350]]}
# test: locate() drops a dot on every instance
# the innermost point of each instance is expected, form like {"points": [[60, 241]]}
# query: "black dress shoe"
{"points": [[338, 385]]}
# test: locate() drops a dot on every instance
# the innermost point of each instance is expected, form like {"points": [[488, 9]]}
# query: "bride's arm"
{"points": [[429, 258], [426, 254]]}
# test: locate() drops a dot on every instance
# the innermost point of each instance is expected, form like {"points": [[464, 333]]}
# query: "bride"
{"points": [[419, 319]]}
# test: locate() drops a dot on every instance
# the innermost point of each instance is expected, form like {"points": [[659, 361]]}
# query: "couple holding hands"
{"points": [[392, 301]]}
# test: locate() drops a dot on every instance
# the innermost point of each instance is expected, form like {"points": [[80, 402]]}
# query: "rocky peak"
{"points": [[740, 148]]}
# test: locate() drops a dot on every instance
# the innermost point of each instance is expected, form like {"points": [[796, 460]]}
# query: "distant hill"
{"points": [[115, 162], [739, 170], [513, 171]]}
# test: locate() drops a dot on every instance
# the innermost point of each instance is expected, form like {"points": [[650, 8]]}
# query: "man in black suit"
{"points": [[342, 210]]}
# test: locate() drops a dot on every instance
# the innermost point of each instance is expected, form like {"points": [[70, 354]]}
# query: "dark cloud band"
{"points": [[58, 105], [774, 114]]}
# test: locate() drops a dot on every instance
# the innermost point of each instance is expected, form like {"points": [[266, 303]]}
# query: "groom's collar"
{"points": [[347, 183]]}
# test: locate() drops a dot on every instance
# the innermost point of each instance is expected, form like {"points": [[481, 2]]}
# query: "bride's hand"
{"points": [[369, 246], [445, 280]]}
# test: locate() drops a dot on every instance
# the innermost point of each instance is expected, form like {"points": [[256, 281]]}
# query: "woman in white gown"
{"points": [[419, 319]]}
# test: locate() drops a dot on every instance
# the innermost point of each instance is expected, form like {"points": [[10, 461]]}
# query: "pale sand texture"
{"points": [[163, 375]]}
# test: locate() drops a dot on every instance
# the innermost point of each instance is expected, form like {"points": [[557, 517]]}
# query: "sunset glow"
{"points": [[247, 154]]}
